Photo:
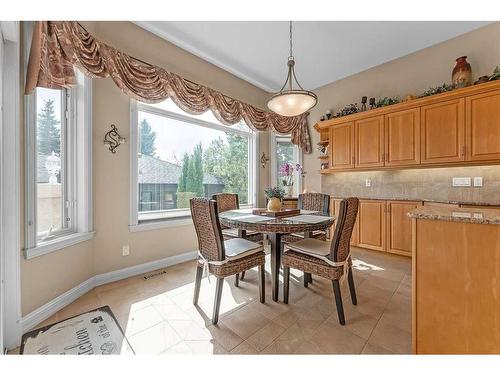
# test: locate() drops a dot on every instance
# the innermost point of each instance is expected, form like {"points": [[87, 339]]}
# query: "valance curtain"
{"points": [[58, 46]]}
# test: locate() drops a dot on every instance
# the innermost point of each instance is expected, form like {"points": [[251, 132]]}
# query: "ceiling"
{"points": [[325, 51]]}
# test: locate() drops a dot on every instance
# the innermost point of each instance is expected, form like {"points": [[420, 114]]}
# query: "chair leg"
{"points": [[242, 276], [262, 284], [286, 284], [352, 289], [237, 279], [338, 301], [197, 284], [306, 280], [218, 295], [309, 278]]}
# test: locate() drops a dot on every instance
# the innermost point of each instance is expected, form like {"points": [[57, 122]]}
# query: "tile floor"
{"points": [[158, 316]]}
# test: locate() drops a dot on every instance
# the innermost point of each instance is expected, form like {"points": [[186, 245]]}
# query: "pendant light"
{"points": [[292, 102]]}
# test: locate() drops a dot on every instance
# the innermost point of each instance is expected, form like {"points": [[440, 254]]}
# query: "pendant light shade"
{"points": [[292, 102]]}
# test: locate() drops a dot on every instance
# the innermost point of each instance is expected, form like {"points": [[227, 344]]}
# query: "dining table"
{"points": [[304, 222]]}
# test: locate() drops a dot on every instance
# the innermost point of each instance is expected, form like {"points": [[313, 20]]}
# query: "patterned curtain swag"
{"points": [[57, 47]]}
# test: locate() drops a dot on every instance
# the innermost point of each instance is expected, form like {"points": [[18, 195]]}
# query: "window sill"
{"points": [[154, 225], [57, 244]]}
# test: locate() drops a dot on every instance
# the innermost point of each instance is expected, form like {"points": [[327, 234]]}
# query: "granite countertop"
{"points": [[462, 215], [425, 200]]}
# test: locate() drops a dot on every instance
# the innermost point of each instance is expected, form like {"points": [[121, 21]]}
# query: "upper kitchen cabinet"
{"points": [[342, 146], [483, 126], [369, 145], [402, 137]]}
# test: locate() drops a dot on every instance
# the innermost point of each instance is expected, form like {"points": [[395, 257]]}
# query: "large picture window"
{"points": [[178, 156], [283, 151]]}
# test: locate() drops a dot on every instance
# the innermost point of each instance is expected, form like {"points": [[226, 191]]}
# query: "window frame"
{"points": [[179, 217], [76, 130], [275, 138]]}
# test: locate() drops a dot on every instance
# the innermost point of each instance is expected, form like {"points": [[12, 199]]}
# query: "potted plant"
{"points": [[286, 173], [275, 196]]}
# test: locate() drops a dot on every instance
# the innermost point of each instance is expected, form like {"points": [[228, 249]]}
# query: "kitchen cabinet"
{"points": [[369, 144], [342, 146], [399, 226], [371, 224], [402, 137], [483, 126]]}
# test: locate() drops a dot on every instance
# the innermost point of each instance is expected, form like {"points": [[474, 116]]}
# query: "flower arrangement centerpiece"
{"points": [[286, 172], [274, 196]]}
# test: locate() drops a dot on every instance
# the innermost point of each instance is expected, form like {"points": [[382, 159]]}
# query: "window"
{"points": [[178, 156], [284, 151], [58, 162]]}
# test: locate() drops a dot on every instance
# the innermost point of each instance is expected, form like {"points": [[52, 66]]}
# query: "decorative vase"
{"points": [[274, 204], [288, 190], [462, 73]]}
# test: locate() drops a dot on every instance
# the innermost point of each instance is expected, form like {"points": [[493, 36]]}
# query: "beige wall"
{"points": [[48, 276], [410, 74]]}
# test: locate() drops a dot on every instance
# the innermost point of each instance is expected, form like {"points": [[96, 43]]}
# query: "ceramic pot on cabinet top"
{"points": [[462, 73]]}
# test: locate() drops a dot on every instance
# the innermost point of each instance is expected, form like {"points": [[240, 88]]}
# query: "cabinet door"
{"points": [[402, 137], [399, 226], [443, 132], [369, 134], [372, 221], [342, 146], [483, 126], [354, 236]]}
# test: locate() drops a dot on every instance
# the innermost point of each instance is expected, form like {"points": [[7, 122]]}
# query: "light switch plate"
{"points": [[461, 181], [478, 181], [125, 250], [368, 182]]}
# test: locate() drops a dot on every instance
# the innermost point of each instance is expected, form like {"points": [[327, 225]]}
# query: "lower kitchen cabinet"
{"points": [[399, 226], [371, 224]]}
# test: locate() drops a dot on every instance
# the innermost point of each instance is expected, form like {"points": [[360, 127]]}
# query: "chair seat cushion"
{"points": [[310, 246], [239, 247]]}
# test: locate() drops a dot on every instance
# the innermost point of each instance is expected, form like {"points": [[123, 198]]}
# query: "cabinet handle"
{"points": [[462, 152], [353, 160]]}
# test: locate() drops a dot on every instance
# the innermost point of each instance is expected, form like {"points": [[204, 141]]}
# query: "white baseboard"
{"points": [[50, 308]]}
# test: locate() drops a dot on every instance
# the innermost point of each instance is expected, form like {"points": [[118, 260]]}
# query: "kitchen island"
{"points": [[456, 280]]}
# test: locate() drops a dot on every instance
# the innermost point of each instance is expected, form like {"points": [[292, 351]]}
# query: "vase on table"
{"points": [[462, 73], [288, 190], [274, 204]]}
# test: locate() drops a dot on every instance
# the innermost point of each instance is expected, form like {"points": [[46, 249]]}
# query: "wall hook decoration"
{"points": [[113, 139], [263, 160]]}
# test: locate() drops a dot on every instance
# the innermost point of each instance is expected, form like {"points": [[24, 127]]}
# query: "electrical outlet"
{"points": [[125, 250], [461, 181], [478, 181], [368, 182]]}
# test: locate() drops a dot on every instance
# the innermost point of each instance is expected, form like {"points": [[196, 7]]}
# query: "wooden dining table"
{"points": [[306, 222]]}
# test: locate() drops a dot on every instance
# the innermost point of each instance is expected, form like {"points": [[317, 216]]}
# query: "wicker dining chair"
{"points": [[222, 258], [312, 202], [227, 202], [329, 260]]}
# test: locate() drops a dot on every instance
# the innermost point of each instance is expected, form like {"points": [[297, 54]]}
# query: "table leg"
{"points": [[275, 239]]}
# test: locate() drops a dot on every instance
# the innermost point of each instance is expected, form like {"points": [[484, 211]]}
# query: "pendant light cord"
{"points": [[291, 53]]}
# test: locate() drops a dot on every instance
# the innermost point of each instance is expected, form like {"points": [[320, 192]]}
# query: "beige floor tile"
{"points": [[332, 338], [140, 320], [188, 330], [224, 336], [245, 322], [180, 348], [359, 324], [391, 338], [155, 339], [265, 336], [171, 312], [308, 347], [374, 349], [205, 347], [244, 348]]}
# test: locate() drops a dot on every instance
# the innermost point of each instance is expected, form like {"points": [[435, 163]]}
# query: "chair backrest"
{"points": [[208, 230], [314, 202], [226, 201], [346, 218]]}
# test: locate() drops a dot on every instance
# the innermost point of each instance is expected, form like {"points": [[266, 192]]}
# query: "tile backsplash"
{"points": [[433, 184]]}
